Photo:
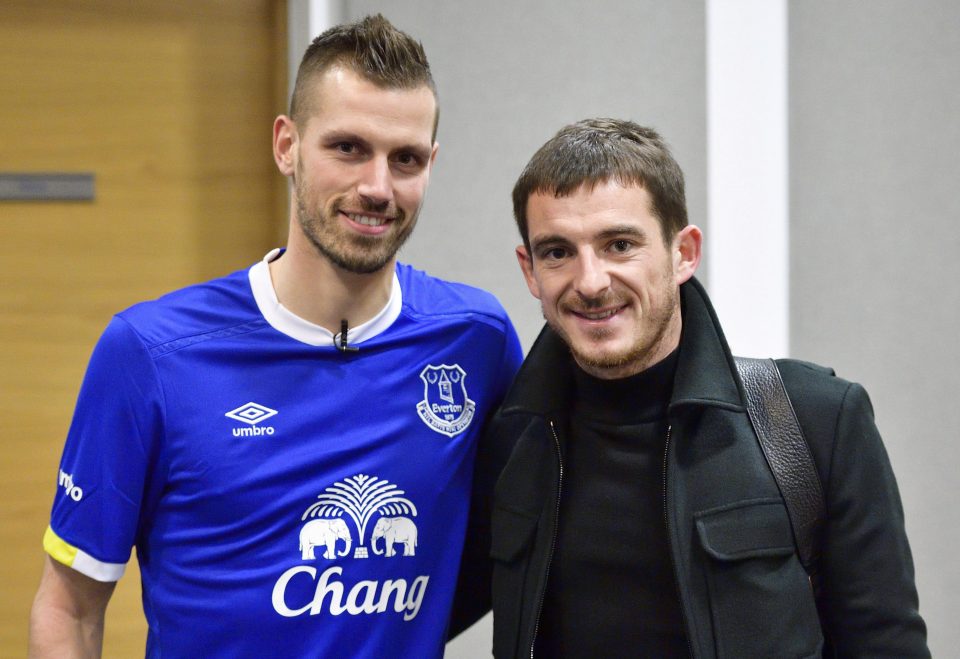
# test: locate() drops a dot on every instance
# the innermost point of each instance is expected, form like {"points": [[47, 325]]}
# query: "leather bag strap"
{"points": [[785, 448]]}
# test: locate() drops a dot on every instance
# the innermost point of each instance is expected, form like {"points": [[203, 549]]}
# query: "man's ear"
{"points": [[285, 139], [526, 265], [687, 246]]}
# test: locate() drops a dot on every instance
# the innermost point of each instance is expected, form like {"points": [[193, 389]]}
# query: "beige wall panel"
{"points": [[170, 104]]}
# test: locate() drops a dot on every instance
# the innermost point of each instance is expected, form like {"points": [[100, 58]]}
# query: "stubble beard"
{"points": [[352, 252], [635, 358]]}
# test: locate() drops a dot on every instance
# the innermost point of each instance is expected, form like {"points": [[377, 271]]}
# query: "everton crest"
{"points": [[445, 407]]}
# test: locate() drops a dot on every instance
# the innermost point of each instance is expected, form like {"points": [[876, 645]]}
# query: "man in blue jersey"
{"points": [[290, 447]]}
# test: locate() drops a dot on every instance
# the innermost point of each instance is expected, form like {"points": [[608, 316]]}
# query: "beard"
{"points": [[356, 253], [644, 350]]}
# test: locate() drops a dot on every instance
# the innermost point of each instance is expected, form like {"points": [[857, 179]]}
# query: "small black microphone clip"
{"points": [[342, 346]]}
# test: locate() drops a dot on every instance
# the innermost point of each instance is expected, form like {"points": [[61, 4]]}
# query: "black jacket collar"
{"points": [[704, 376]]}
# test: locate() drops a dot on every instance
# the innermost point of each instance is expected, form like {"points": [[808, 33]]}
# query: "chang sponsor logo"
{"points": [[364, 597], [73, 490], [326, 536], [252, 414]]}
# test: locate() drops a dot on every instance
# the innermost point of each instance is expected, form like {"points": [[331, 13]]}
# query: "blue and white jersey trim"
{"points": [[79, 560], [285, 321]]}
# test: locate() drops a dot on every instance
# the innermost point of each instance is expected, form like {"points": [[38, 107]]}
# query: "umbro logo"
{"points": [[252, 414]]}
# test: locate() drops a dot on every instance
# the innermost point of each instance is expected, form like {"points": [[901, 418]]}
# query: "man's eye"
{"points": [[554, 253], [346, 147], [407, 159], [620, 246]]}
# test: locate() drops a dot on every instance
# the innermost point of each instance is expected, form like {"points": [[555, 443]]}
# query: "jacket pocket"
{"points": [[760, 598], [513, 532]]}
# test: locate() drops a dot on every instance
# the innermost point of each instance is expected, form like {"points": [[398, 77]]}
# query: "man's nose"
{"points": [[592, 276], [376, 183]]}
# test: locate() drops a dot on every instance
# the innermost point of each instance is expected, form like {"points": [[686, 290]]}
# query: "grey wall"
{"points": [[875, 232]]}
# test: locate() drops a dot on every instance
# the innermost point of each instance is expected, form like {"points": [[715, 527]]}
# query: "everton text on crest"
{"points": [[445, 407]]}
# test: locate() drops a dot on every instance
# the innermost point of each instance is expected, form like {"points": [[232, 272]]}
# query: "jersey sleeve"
{"points": [[112, 441]]}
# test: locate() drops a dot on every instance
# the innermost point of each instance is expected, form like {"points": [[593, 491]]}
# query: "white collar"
{"points": [[285, 321]]}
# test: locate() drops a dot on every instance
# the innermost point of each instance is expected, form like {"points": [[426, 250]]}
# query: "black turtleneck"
{"points": [[611, 589]]}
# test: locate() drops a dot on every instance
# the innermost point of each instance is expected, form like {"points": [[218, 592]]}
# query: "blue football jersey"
{"points": [[286, 498]]}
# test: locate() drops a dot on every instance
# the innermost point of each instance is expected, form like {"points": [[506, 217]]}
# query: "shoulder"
{"points": [[814, 386], [207, 310], [428, 296], [827, 407]]}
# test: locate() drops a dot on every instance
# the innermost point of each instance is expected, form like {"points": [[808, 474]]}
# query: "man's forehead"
{"points": [[590, 213], [601, 199], [343, 100]]}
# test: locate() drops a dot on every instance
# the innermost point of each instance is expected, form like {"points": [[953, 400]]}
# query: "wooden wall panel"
{"points": [[170, 104]]}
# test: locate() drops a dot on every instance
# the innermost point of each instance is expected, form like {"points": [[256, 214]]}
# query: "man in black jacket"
{"points": [[633, 512]]}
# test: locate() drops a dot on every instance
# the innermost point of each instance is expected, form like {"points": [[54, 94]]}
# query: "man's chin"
{"points": [[357, 261], [607, 361], [600, 360], [364, 266]]}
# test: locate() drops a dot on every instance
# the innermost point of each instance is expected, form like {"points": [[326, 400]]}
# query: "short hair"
{"points": [[594, 151], [373, 49]]}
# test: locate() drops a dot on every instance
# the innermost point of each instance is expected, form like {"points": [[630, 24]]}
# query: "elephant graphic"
{"points": [[395, 529], [325, 532]]}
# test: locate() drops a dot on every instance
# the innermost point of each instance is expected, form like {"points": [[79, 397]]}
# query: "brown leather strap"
{"points": [[781, 438]]}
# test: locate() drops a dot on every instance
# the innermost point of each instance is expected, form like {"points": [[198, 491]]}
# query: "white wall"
{"points": [[747, 154]]}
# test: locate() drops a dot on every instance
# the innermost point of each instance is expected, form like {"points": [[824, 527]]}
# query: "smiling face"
{"points": [[606, 280], [360, 168]]}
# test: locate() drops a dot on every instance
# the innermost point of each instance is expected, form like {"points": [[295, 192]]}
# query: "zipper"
{"points": [[666, 450], [553, 542], [666, 523]]}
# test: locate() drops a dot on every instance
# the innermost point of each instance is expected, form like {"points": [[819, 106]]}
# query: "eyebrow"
{"points": [[547, 241], [341, 136], [422, 152], [616, 231], [623, 230], [333, 137]]}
